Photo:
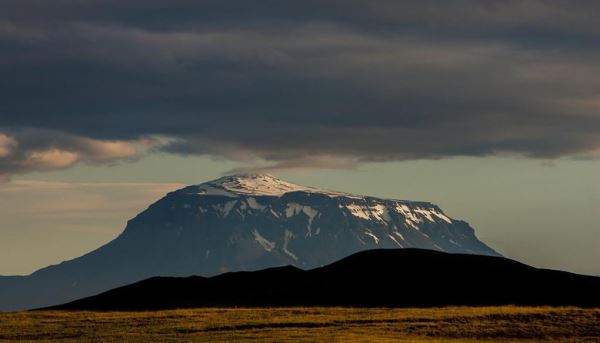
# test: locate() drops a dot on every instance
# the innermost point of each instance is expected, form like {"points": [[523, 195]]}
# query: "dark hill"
{"points": [[389, 278]]}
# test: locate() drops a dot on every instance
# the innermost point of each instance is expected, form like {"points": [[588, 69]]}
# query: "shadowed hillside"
{"points": [[389, 278]]}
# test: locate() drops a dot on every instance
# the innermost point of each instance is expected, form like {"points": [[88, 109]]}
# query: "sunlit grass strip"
{"points": [[309, 324]]}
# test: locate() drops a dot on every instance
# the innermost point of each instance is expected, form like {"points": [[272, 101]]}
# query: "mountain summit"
{"points": [[243, 222], [255, 184]]}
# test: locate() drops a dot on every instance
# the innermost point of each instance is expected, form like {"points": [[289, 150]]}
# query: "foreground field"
{"points": [[460, 324]]}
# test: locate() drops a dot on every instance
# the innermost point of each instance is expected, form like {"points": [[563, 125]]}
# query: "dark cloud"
{"points": [[42, 150], [302, 83]]}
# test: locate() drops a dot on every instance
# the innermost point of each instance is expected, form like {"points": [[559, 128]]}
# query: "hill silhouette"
{"points": [[388, 278]]}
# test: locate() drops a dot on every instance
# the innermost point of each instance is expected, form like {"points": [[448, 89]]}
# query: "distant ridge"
{"points": [[387, 278]]}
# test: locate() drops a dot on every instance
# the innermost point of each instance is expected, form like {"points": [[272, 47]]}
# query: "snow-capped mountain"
{"points": [[243, 222], [256, 220]]}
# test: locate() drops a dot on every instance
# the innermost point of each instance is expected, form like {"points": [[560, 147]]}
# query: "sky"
{"points": [[489, 109]]}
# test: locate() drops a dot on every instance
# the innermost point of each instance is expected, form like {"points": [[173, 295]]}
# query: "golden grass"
{"points": [[457, 324]]}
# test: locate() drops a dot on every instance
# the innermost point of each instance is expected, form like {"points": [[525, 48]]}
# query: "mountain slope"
{"points": [[242, 222], [395, 277]]}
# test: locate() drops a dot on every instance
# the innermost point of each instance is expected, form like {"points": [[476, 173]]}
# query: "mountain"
{"points": [[388, 278], [242, 222]]}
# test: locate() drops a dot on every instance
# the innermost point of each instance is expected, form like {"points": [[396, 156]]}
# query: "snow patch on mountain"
{"points": [[397, 233], [311, 214], [430, 213], [442, 217], [405, 210], [292, 209], [380, 212], [375, 238], [265, 243], [254, 204], [228, 207], [286, 240], [359, 211], [394, 239]]}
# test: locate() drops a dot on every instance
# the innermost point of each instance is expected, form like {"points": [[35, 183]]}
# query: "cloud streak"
{"points": [[300, 83], [41, 150]]}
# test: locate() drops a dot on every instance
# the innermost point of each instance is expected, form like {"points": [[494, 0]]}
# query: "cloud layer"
{"points": [[298, 83], [43, 150]]}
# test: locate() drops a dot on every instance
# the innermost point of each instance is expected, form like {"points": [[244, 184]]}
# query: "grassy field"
{"points": [[458, 324]]}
